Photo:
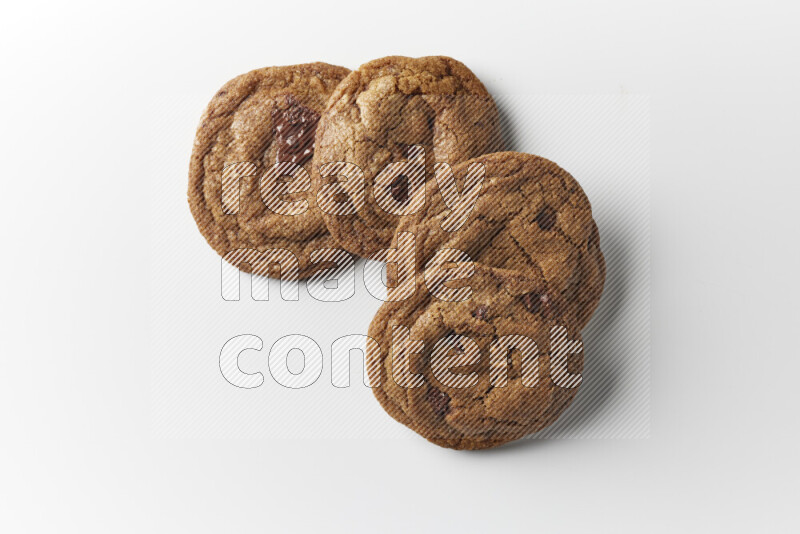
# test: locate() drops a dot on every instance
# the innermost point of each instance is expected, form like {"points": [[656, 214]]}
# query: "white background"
{"points": [[81, 84]]}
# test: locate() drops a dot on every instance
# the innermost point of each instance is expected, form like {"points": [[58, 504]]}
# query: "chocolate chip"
{"points": [[439, 401], [399, 188], [593, 240], [480, 312], [539, 302], [452, 340], [546, 218], [294, 129], [532, 302]]}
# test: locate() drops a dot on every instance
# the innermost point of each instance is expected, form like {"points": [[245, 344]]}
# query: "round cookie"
{"points": [[255, 121], [491, 396], [529, 214], [374, 118]]}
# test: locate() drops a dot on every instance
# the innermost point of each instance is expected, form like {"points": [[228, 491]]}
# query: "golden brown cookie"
{"points": [[529, 214], [373, 119], [479, 372], [254, 123]]}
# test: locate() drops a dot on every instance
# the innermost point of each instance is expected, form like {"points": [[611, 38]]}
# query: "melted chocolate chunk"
{"points": [[399, 188], [532, 302], [546, 218], [294, 129], [439, 401], [480, 312]]}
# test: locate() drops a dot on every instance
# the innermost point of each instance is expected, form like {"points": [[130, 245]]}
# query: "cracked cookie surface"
{"points": [[254, 121], [502, 401], [381, 110], [529, 215]]}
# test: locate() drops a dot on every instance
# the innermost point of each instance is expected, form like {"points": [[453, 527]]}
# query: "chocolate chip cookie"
{"points": [[529, 214], [483, 369], [392, 111], [249, 183]]}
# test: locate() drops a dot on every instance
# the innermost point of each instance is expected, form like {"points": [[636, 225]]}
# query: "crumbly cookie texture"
{"points": [[262, 117], [483, 414], [530, 215], [381, 110]]}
